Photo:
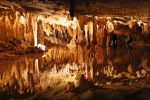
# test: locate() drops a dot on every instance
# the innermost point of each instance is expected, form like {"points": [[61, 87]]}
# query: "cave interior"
{"points": [[75, 49]]}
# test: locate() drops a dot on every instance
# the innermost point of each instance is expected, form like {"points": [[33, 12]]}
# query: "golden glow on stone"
{"points": [[22, 20]]}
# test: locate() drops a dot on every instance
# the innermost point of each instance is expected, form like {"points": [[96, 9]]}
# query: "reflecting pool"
{"points": [[64, 72]]}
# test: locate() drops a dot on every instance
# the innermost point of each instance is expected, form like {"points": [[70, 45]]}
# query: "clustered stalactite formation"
{"points": [[103, 31], [42, 30], [16, 24]]}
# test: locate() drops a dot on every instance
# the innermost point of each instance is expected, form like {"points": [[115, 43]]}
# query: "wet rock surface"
{"points": [[18, 47]]}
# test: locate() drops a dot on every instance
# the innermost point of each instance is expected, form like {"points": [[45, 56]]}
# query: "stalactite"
{"points": [[86, 34], [110, 25], [131, 23], [91, 31], [101, 34], [74, 36], [47, 29], [4, 31], [15, 26], [29, 36], [34, 24], [145, 28], [8, 28]]}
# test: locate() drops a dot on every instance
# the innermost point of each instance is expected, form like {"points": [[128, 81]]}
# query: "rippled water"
{"points": [[26, 76]]}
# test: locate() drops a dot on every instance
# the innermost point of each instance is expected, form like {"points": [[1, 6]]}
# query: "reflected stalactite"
{"points": [[144, 63], [37, 71], [62, 64], [19, 77], [101, 56]]}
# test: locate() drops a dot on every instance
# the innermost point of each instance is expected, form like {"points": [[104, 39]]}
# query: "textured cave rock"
{"points": [[15, 23], [138, 8], [25, 20]]}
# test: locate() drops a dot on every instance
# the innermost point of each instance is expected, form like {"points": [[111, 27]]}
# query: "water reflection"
{"points": [[62, 64]]}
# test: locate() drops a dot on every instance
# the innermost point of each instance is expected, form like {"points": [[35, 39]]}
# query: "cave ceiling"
{"points": [[121, 8]]}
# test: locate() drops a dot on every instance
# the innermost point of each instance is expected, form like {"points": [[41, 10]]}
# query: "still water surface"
{"points": [[29, 75]]}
